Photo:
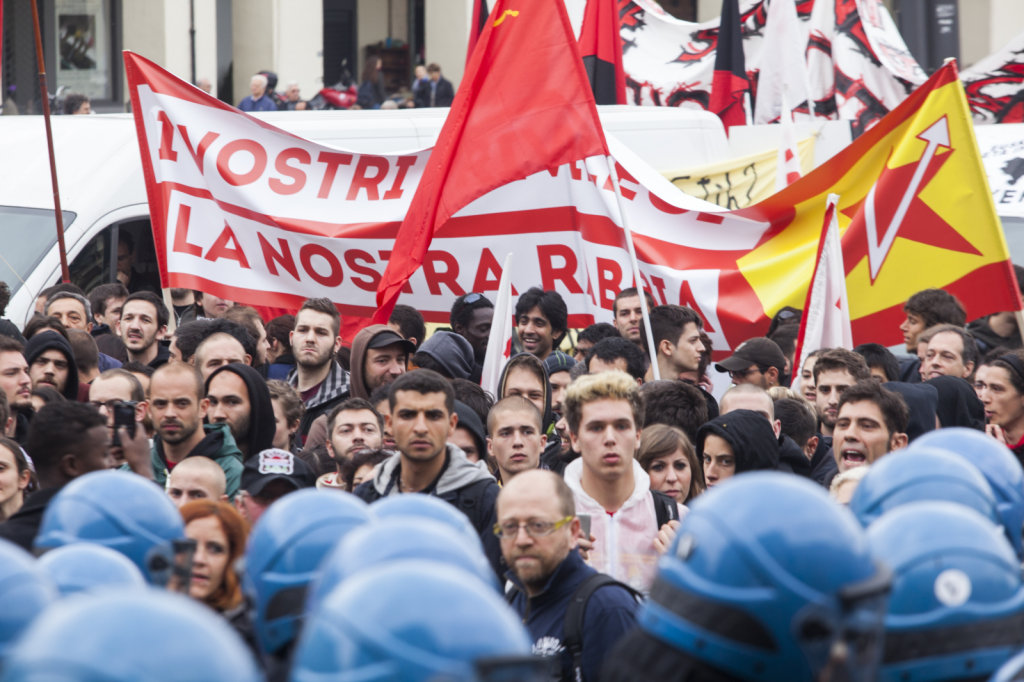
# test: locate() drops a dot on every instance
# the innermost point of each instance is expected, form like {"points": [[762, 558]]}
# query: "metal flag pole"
{"points": [[636, 269], [45, 95]]}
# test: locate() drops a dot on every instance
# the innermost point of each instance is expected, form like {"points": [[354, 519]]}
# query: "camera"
{"points": [[124, 415]]}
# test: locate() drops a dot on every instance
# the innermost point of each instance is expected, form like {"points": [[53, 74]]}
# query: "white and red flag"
{"points": [[826, 318], [499, 342]]}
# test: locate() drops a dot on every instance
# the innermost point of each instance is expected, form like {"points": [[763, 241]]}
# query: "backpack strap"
{"points": [[572, 638], [665, 508]]}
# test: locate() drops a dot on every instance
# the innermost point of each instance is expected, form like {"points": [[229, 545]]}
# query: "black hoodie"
{"points": [[47, 340], [261, 416], [749, 435], [958, 403]]}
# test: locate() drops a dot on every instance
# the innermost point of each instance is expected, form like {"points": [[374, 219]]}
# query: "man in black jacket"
{"points": [[436, 91]]}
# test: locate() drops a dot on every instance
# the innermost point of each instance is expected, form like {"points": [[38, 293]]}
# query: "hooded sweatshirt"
{"points": [[958, 403], [262, 424], [218, 445], [46, 340], [922, 400], [749, 435], [359, 346], [465, 486], [624, 541], [452, 352]]}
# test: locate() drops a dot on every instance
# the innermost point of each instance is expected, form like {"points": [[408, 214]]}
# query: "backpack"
{"points": [[665, 508], [572, 639]]}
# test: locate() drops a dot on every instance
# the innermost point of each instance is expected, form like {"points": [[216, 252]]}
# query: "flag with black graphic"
{"points": [[601, 48], [730, 86]]}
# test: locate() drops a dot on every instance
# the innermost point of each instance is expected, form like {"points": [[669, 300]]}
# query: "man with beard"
{"points": [[238, 396], [51, 362], [177, 406], [539, 533], [16, 385], [143, 323], [321, 381], [379, 356], [351, 426]]}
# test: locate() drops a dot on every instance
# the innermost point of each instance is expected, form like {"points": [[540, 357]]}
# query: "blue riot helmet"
{"points": [[957, 605], [436, 623], [919, 474], [766, 579], [425, 506], [25, 591], [284, 554], [115, 636], [85, 566], [395, 539], [1011, 671], [126, 513], [997, 464]]}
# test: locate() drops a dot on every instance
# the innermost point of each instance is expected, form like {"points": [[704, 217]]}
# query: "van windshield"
{"points": [[27, 234]]}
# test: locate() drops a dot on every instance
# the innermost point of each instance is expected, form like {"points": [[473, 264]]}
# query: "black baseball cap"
{"points": [[274, 464], [389, 338], [760, 351]]}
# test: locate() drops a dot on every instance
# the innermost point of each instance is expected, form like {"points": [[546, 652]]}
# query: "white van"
{"points": [[103, 193]]}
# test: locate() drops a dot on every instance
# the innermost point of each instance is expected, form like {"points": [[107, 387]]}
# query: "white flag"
{"points": [[499, 342], [782, 64], [787, 167], [826, 318]]}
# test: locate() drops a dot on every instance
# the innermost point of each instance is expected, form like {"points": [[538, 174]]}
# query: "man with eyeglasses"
{"points": [[758, 361], [114, 388], [539, 531]]}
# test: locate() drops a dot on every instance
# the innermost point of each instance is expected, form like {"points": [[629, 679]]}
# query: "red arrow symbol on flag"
{"points": [[936, 135]]}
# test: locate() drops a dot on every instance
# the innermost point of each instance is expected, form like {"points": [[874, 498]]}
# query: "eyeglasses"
{"points": [[534, 528], [470, 299], [744, 373]]}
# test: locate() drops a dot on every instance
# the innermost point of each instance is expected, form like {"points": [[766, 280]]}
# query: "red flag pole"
{"points": [[64, 274]]}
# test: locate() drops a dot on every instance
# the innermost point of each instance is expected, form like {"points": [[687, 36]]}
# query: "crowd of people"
{"points": [[428, 89], [263, 499]]}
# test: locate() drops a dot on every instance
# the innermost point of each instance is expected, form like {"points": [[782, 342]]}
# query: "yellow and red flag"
{"points": [[915, 213]]}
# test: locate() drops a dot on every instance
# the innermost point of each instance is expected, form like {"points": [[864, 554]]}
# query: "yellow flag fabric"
{"points": [[915, 212], [738, 182]]}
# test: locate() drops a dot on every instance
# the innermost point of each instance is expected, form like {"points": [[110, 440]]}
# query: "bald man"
{"points": [[197, 478], [539, 531], [219, 349]]}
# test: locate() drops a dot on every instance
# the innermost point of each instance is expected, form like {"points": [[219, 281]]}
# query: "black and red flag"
{"points": [[476, 27], [601, 48], [730, 87]]}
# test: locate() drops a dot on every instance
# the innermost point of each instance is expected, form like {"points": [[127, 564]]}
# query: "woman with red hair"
{"points": [[220, 534]]}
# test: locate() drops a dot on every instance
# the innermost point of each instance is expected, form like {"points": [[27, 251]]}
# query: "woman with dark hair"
{"points": [[220, 534], [16, 478], [669, 459], [999, 383], [371, 85]]}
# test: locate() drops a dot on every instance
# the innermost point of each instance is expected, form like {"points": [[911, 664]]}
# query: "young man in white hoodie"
{"points": [[630, 525]]}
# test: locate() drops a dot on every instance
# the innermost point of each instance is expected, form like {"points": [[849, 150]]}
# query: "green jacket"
{"points": [[218, 445]]}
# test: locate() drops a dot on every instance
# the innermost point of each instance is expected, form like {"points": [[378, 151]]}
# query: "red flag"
{"points": [[730, 85], [476, 27], [601, 47], [524, 105]]}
